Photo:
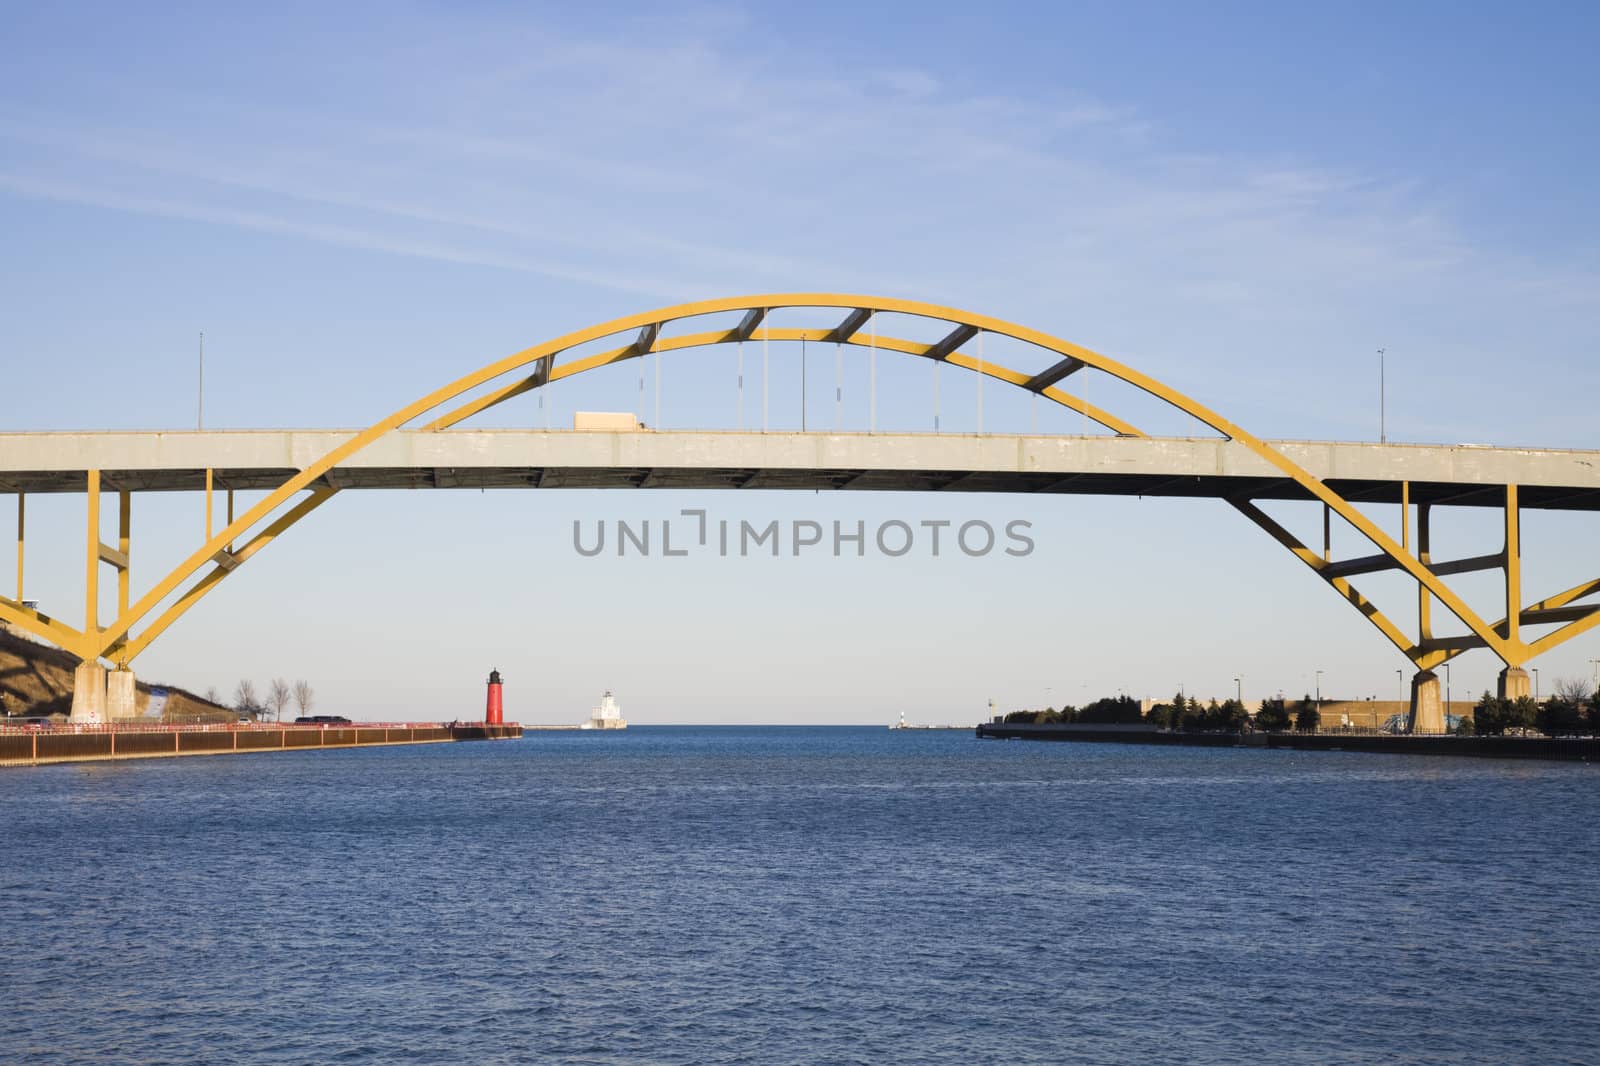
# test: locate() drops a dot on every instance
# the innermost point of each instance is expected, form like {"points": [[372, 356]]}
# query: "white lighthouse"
{"points": [[606, 716]]}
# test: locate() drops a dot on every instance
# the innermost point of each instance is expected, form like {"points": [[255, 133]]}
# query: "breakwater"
{"points": [[1582, 749], [39, 746]]}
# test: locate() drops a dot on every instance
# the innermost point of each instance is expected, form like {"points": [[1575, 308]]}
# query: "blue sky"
{"points": [[356, 205]]}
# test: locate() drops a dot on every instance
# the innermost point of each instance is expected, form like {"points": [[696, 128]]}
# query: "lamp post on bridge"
{"points": [[1383, 433], [200, 389]]}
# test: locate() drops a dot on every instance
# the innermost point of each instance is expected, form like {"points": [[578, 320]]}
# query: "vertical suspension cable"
{"points": [[936, 395], [872, 381], [766, 337], [658, 390], [741, 384], [838, 384], [980, 381]]}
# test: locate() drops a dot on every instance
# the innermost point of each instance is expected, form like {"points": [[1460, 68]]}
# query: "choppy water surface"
{"points": [[800, 895]]}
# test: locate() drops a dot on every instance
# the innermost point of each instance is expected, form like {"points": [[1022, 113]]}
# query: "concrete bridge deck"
{"points": [[1468, 475]]}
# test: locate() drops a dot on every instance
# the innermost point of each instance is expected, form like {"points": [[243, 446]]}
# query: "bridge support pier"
{"points": [[89, 693], [120, 695], [1427, 710], [1514, 683]]}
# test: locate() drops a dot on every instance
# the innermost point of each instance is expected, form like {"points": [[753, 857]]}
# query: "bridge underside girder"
{"points": [[1086, 483]]}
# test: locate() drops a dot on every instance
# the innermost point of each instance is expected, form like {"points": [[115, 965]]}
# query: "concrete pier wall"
{"points": [[1581, 749], [39, 747]]}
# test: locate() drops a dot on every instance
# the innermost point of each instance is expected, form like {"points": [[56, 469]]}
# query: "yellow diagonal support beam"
{"points": [[125, 652], [41, 625], [1273, 529]]}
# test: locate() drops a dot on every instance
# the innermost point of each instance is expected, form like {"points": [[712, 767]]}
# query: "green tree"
{"points": [[1273, 717], [1227, 717], [1490, 715], [1193, 718], [1307, 718], [1167, 715], [1559, 717], [1494, 716], [1466, 727], [1113, 710], [1522, 713]]}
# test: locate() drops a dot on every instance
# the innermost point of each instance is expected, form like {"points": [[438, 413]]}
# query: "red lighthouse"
{"points": [[495, 714]]}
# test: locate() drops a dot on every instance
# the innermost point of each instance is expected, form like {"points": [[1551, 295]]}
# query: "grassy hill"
{"points": [[36, 679]]}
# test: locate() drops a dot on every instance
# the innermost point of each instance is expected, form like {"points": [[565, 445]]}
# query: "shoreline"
{"points": [[115, 743], [1559, 749]]}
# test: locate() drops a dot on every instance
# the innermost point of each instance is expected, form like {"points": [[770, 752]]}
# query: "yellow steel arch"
{"points": [[117, 642]]}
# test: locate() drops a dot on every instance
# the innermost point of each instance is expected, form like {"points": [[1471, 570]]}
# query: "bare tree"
{"points": [[1572, 690], [244, 699], [213, 697], [278, 698], [304, 698]]}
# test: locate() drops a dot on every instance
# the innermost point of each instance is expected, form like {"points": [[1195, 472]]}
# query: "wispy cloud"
{"points": [[345, 236], [671, 161]]}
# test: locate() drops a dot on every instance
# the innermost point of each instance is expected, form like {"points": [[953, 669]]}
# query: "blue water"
{"points": [[799, 895]]}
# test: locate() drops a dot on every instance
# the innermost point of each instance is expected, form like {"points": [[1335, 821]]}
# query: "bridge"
{"points": [[424, 446]]}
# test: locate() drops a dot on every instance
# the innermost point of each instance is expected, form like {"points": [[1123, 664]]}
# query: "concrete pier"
{"points": [[121, 693], [1514, 683], [33, 746], [1427, 710], [89, 694]]}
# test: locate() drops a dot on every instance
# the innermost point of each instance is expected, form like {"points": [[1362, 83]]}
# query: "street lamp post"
{"points": [[1535, 684], [1447, 696], [1238, 689]]}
